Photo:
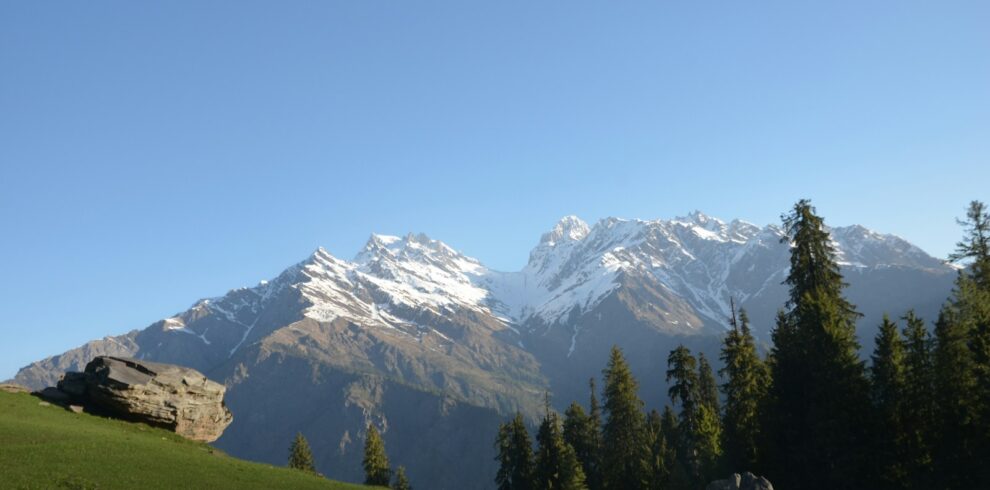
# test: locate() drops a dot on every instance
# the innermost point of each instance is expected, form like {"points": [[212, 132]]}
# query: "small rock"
{"points": [[76, 408], [44, 404]]}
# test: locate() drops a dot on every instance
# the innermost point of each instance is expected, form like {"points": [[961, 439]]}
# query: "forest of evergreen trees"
{"points": [[810, 414]]}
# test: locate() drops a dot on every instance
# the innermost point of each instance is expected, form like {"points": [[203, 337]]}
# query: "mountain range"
{"points": [[437, 349]]}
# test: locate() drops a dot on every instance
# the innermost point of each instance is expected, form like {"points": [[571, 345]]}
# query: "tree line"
{"points": [[810, 414], [377, 470]]}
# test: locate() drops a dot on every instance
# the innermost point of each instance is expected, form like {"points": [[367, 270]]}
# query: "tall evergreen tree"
{"points": [[401, 480], [376, 468], [919, 407], [557, 466], [962, 362], [593, 469], [578, 433], [625, 462], [677, 475], [747, 381], [693, 387], [888, 380], [819, 391], [515, 456], [707, 386], [300, 457], [659, 473]]}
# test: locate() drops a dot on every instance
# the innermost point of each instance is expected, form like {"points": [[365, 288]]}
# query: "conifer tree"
{"points": [[376, 467], [401, 481], [515, 456], [695, 390], [677, 477], [625, 462], [887, 391], [578, 433], [593, 469], [659, 474], [919, 409], [557, 466], [300, 457], [707, 386], [962, 362], [819, 391], [745, 388]]}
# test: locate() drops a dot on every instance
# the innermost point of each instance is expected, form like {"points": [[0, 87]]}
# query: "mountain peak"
{"points": [[569, 228]]}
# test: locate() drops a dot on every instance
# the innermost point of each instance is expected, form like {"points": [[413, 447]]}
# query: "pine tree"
{"points": [[694, 422], [300, 457], [707, 386], [659, 474], [677, 477], [625, 463], [580, 435], [819, 391], [888, 389], [745, 388], [376, 467], [515, 456], [557, 466], [401, 481], [962, 362], [919, 407], [593, 469]]}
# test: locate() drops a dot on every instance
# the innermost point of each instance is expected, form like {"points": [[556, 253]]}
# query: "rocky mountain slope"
{"points": [[436, 349]]}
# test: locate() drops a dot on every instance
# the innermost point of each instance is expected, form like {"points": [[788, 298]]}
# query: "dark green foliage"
{"points": [[962, 364], [557, 466], [401, 481], [819, 393], [677, 476], [300, 457], [919, 402], [625, 462], [515, 456], [887, 389], [695, 390], [747, 380], [376, 467], [659, 474], [707, 386], [582, 435]]}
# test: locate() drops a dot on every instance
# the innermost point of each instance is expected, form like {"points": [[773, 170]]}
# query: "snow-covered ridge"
{"points": [[702, 259]]}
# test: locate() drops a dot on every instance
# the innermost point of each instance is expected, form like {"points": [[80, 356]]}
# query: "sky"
{"points": [[152, 154]]}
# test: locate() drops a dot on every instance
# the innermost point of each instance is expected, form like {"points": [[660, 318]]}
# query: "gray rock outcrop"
{"points": [[163, 395], [745, 481]]}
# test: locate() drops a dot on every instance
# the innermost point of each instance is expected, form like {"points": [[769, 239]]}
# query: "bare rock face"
{"points": [[745, 481], [163, 395]]}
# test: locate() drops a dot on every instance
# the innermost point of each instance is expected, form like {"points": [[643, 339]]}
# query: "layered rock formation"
{"points": [[163, 395]]}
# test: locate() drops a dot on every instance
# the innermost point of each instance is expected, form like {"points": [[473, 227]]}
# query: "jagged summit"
{"points": [[569, 228]]}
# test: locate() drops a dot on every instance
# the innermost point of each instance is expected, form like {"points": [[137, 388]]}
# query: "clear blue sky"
{"points": [[151, 155]]}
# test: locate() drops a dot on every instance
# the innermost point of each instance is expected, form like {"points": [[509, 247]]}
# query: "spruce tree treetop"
{"points": [[814, 269], [626, 450], [401, 481], [300, 456], [515, 456], [975, 246], [376, 467]]}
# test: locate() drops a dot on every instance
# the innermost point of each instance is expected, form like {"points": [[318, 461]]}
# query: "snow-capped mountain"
{"points": [[412, 334]]}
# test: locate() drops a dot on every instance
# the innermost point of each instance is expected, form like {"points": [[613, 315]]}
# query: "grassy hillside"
{"points": [[50, 447]]}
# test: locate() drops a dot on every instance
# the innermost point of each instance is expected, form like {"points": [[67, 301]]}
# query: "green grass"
{"points": [[50, 447]]}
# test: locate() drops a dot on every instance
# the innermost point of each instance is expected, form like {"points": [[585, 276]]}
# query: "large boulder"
{"points": [[745, 481], [163, 395]]}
